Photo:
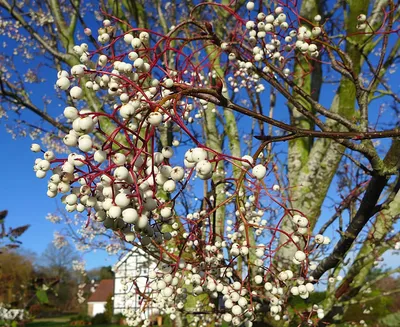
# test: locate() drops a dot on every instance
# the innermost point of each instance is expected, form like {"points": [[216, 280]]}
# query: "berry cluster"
{"points": [[121, 172]]}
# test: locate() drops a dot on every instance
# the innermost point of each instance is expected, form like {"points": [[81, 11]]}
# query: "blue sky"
{"points": [[24, 196]]}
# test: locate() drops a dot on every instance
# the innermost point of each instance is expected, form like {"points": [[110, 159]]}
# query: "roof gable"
{"points": [[133, 251], [103, 291]]}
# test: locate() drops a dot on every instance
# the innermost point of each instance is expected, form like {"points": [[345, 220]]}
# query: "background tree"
{"points": [[16, 273], [101, 273], [59, 259], [56, 264], [331, 138]]}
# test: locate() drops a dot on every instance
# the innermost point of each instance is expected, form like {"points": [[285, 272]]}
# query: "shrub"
{"points": [[391, 320], [35, 309], [101, 318], [109, 309], [116, 319], [80, 320]]}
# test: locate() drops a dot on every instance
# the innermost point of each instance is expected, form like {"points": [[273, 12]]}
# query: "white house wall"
{"points": [[132, 267], [98, 307]]}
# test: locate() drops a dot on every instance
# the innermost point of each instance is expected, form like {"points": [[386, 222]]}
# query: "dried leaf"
{"points": [[3, 214], [16, 232]]}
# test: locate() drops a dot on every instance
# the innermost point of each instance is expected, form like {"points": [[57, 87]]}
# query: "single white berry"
{"points": [[114, 212], [227, 317], [319, 239], [41, 174], [259, 171], [300, 256], [35, 147], [198, 154], [166, 212], [130, 215], [204, 167], [100, 156], [250, 5], [118, 158], [122, 200], [144, 36], [76, 93], [167, 152], [168, 83], [250, 25], [70, 140], [133, 55], [361, 18], [63, 187], [63, 83], [258, 279], [237, 310], [294, 290], [103, 38], [128, 38], [316, 31], [283, 276], [155, 118], [177, 173], [130, 237], [62, 73], [327, 240], [126, 111], [77, 71], [71, 113], [86, 124], [121, 173], [71, 199], [142, 222], [302, 222], [310, 287], [169, 186], [85, 144]]}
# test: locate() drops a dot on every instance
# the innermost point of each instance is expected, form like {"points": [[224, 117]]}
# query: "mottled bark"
{"points": [[337, 301], [312, 166]]}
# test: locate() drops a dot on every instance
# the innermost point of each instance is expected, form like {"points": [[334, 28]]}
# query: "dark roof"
{"points": [[103, 291]]}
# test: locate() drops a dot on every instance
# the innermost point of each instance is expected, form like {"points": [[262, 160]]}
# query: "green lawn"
{"points": [[62, 321], [59, 324]]}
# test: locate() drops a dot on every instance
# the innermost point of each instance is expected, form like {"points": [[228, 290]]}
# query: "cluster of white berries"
{"points": [[301, 224], [245, 77], [163, 290], [362, 22], [319, 311], [120, 186], [121, 180], [302, 289], [116, 201], [169, 290], [270, 36], [126, 183], [321, 239]]}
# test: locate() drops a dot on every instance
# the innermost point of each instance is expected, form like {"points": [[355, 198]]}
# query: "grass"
{"points": [[62, 321], [54, 319], [41, 323]]}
